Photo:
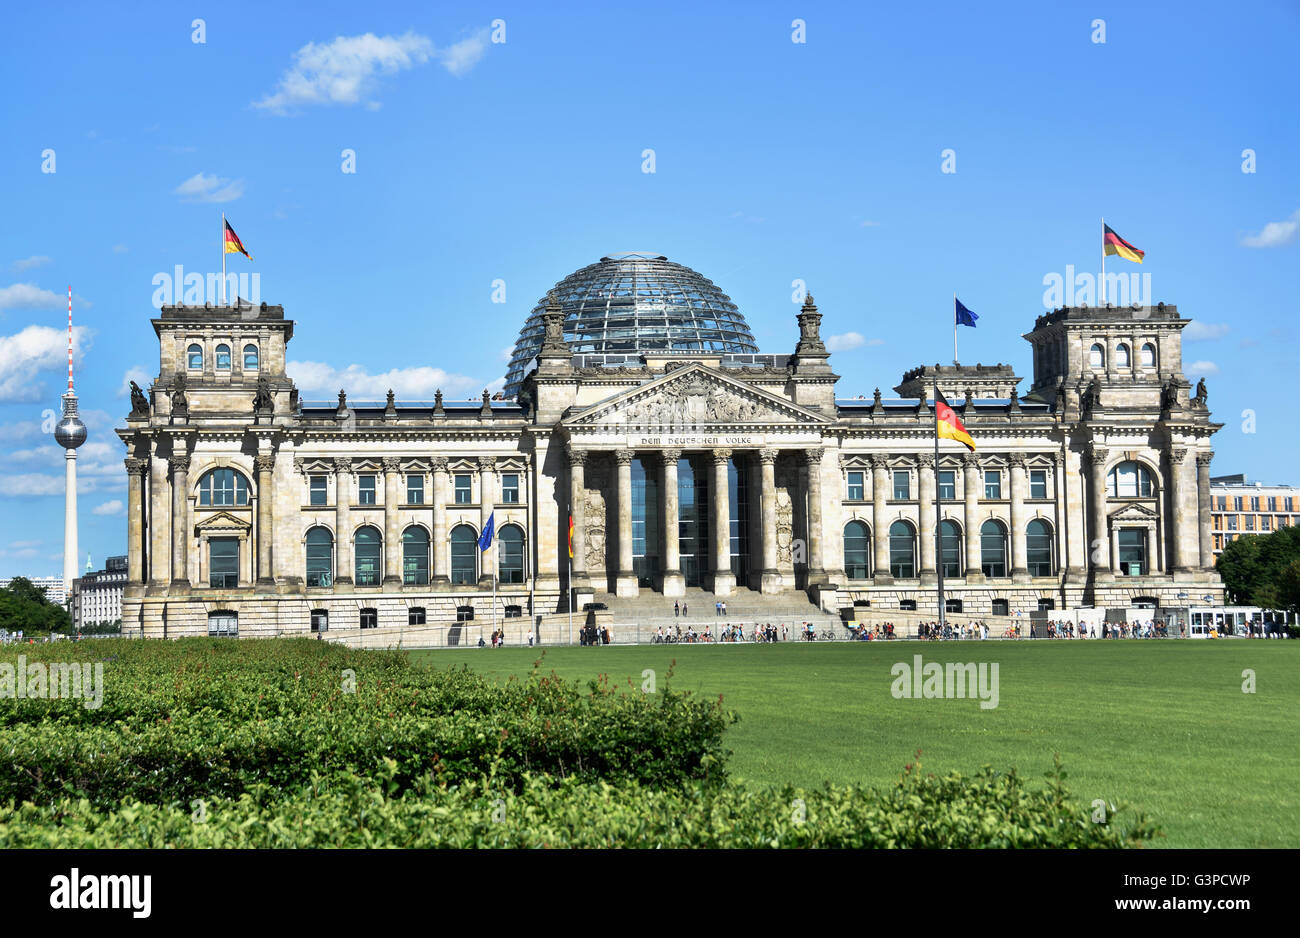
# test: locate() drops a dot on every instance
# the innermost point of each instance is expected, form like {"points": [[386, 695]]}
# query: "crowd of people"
{"points": [[933, 631], [728, 633]]}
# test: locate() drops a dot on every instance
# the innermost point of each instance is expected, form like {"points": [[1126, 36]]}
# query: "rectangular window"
{"points": [[1236, 503], [1132, 551], [1232, 522], [856, 487], [1289, 504], [947, 485], [1272, 503], [415, 490], [365, 490], [464, 494], [320, 620], [1264, 523], [415, 616], [1250, 522], [902, 484], [369, 619], [509, 488], [1037, 483], [223, 562], [1223, 503], [1254, 503], [319, 490], [992, 483]]}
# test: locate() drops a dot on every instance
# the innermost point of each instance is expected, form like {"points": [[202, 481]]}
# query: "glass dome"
{"points": [[631, 303]]}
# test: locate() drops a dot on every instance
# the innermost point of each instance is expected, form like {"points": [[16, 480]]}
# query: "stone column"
{"points": [[879, 518], [1203, 508], [180, 469], [578, 506], [813, 482], [925, 480], [342, 521], [625, 577], [971, 516], [771, 577], [487, 497], [724, 581], [264, 463], [1017, 543], [392, 533], [135, 470], [441, 546], [674, 582], [1184, 529], [1099, 552]]}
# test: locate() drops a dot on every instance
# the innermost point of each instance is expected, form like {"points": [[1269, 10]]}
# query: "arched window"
{"points": [[857, 551], [902, 550], [194, 357], [1148, 356], [320, 557], [250, 358], [223, 357], [464, 548], [415, 556], [1097, 356], [1129, 480], [369, 556], [1122, 356], [993, 548], [510, 565], [950, 549], [223, 488], [1038, 548]]}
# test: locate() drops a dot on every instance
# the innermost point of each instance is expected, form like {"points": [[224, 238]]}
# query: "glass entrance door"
{"points": [[693, 518]]}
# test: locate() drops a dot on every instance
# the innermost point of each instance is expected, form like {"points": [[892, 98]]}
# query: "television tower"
{"points": [[70, 433]]}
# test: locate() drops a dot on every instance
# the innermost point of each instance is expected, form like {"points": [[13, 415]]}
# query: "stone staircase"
{"points": [[649, 611]]}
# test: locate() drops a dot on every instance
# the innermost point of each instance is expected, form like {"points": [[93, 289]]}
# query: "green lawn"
{"points": [[1163, 725]]}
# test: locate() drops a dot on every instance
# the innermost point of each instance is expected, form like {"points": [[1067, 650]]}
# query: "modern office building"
{"points": [[97, 596], [52, 586], [1239, 507]]}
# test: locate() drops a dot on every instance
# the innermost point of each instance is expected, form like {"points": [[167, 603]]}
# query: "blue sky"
{"points": [[522, 160]]}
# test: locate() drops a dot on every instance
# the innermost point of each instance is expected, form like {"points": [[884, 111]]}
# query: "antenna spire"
{"points": [[69, 337]]}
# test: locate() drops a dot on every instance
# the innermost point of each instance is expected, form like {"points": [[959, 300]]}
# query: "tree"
{"points": [[23, 606], [1252, 568]]}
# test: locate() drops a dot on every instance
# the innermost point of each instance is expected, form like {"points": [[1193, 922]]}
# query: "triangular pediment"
{"points": [[223, 521], [1133, 512], [694, 396]]}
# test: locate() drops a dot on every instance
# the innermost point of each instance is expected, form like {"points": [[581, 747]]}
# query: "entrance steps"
{"points": [[745, 606]]}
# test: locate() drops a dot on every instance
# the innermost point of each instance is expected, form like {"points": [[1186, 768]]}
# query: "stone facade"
{"points": [[1091, 489]]}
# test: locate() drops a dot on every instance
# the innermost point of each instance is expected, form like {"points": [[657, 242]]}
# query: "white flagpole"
{"points": [[954, 328], [1103, 260], [223, 258]]}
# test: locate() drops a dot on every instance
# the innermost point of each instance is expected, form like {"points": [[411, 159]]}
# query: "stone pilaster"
{"points": [[1018, 542], [625, 583], [1184, 517], [392, 532], [1203, 507], [578, 506], [342, 522], [1099, 554], [970, 517], [813, 482], [487, 490], [925, 482], [441, 545], [771, 577], [674, 582], [724, 581], [880, 519], [135, 471], [180, 472], [264, 464]]}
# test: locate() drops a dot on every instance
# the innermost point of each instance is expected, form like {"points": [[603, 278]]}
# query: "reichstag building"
{"points": [[638, 404]]}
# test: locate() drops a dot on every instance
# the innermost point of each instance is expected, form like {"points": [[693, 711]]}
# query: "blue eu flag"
{"points": [[485, 539], [964, 316]]}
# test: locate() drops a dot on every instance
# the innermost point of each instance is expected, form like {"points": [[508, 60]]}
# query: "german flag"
{"points": [[570, 536], [947, 425], [1114, 244], [233, 244]]}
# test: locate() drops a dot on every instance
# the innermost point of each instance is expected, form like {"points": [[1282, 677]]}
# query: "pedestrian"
{"points": [[530, 638], [724, 608], [717, 608], [677, 608], [683, 608]]}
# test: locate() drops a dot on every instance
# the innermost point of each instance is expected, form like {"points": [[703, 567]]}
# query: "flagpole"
{"points": [[954, 328], [570, 552], [938, 515], [223, 258], [1103, 260]]}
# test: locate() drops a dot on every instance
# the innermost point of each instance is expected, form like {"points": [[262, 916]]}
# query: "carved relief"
{"points": [[594, 503], [694, 399], [786, 478]]}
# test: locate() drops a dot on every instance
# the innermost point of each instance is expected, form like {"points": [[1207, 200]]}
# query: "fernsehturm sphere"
{"points": [[70, 433]]}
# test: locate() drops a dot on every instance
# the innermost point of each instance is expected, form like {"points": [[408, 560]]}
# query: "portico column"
{"points": [[970, 486], [925, 473], [880, 518], [578, 508], [1203, 508], [180, 468], [342, 521], [770, 581], [724, 581], [625, 583], [487, 497], [392, 534], [674, 583], [813, 469], [264, 463], [1099, 552], [135, 470], [1184, 530], [1018, 542], [441, 546]]}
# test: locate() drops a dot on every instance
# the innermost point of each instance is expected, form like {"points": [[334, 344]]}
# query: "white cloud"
{"points": [[460, 57], [1202, 368], [507, 353], [137, 374], [36, 260], [120, 249], [32, 483], [203, 187], [418, 383], [842, 343], [30, 296], [35, 349], [22, 430], [1275, 234], [113, 507], [1197, 331]]}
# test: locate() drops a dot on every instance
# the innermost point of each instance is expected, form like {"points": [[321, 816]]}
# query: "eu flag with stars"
{"points": [[485, 539], [964, 316]]}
